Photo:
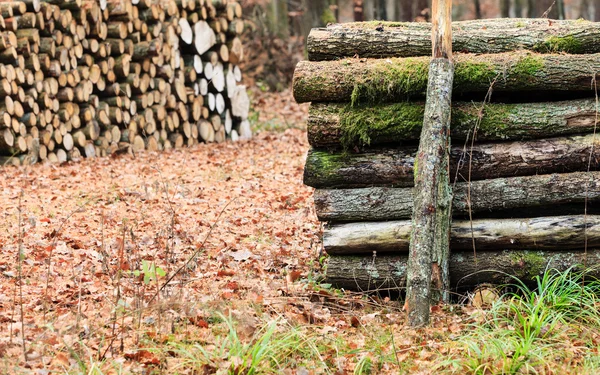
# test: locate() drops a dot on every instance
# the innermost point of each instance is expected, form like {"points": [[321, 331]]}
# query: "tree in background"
{"points": [[275, 38]]}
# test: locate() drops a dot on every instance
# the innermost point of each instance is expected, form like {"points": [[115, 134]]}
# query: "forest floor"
{"points": [[208, 260]]}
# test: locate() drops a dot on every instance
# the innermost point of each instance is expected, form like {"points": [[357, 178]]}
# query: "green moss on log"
{"points": [[468, 72], [395, 80], [528, 66], [360, 123], [529, 263], [323, 164], [556, 44]]}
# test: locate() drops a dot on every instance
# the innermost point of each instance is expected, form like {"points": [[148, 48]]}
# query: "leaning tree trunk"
{"points": [[478, 36], [382, 273], [395, 79], [341, 125], [539, 233], [427, 275], [496, 195], [394, 166]]}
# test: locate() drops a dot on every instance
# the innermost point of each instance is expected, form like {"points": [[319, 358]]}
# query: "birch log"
{"points": [[539, 233]]}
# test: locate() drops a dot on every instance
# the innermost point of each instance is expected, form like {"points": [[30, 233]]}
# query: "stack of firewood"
{"points": [[524, 153], [91, 77]]}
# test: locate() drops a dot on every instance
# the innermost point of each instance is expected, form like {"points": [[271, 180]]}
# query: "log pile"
{"points": [[94, 77], [525, 160]]}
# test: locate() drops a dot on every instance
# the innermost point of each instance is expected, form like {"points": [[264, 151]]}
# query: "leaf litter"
{"points": [[231, 228]]}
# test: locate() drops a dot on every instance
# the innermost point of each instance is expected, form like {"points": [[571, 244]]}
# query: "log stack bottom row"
{"points": [[525, 166], [85, 78]]}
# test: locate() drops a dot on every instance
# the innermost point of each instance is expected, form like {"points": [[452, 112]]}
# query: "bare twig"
{"points": [[191, 258]]}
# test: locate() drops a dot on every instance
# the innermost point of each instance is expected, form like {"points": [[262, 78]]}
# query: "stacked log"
{"points": [[525, 158], [94, 77]]}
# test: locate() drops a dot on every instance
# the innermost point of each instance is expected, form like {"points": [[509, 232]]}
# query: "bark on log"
{"points": [[368, 273], [405, 39], [540, 233], [496, 195], [335, 124], [394, 166], [394, 79]]}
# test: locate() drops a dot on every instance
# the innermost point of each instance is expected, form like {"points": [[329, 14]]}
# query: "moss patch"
{"points": [[529, 264], [527, 66], [472, 74], [360, 124], [320, 164], [392, 80], [555, 44]]}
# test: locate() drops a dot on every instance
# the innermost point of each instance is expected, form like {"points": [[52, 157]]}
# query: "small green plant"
{"points": [[150, 272], [271, 349]]}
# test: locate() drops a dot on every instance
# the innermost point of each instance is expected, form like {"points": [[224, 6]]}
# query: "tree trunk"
{"points": [[478, 36], [382, 273], [427, 274], [597, 10], [394, 166], [560, 9], [340, 125], [518, 8], [358, 11], [345, 11], [395, 79], [505, 8], [531, 10], [487, 196], [540, 233], [406, 8], [477, 6]]}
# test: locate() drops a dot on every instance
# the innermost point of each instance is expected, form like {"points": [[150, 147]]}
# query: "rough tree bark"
{"points": [[540, 233], [332, 125], [494, 267], [394, 166], [427, 274], [487, 196], [477, 36], [395, 79]]}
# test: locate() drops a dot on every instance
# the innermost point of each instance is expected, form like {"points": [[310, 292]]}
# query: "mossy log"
{"points": [[394, 166], [368, 273], [500, 194], [334, 125], [391, 80], [540, 233], [405, 39]]}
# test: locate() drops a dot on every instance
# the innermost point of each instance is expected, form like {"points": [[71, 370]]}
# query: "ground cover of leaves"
{"points": [[122, 265]]}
